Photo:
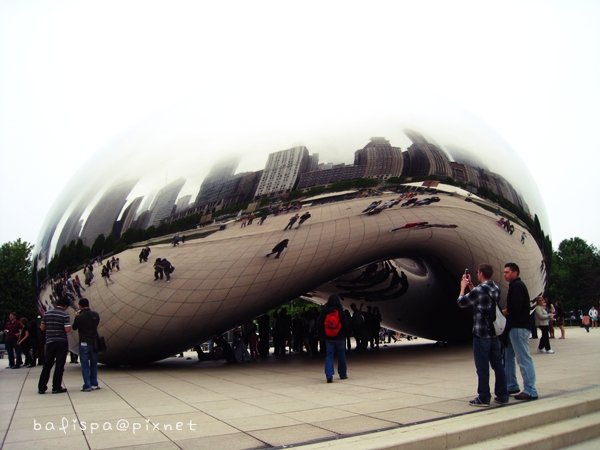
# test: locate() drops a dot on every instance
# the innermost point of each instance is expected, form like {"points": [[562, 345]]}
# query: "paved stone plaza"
{"points": [[268, 403]]}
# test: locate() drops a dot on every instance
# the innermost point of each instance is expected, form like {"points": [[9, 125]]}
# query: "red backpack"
{"points": [[332, 323]]}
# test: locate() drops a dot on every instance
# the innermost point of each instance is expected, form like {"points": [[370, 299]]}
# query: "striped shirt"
{"points": [[55, 322]]}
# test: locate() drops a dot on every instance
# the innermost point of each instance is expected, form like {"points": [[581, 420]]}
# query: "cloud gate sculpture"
{"points": [[446, 200]]}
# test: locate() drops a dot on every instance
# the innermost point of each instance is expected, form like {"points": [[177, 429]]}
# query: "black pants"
{"points": [[544, 340], [14, 357], [55, 351]]}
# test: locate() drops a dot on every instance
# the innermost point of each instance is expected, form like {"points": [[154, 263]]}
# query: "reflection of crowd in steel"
{"points": [[298, 334], [505, 223], [262, 215], [510, 229], [411, 200], [275, 210]]}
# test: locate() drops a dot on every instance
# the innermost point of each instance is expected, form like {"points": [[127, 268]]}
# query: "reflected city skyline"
{"points": [[129, 189]]}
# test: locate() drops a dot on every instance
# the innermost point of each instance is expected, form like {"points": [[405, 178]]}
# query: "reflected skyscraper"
{"points": [[105, 212], [283, 170], [379, 159], [424, 158], [164, 203]]}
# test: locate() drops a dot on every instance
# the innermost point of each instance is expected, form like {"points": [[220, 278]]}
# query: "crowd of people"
{"points": [[507, 226], [302, 333], [44, 342]]}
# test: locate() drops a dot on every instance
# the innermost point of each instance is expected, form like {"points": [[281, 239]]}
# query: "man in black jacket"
{"points": [[333, 324], [517, 323]]}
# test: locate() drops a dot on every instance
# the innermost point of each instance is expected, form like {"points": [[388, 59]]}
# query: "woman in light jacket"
{"points": [[542, 321]]}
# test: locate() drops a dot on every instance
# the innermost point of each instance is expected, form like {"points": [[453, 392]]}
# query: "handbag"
{"points": [[100, 344], [499, 322]]}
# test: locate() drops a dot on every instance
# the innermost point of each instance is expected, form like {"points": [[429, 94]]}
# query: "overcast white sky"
{"points": [[74, 76]]}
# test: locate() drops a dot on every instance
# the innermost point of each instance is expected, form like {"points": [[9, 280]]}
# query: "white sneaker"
{"points": [[550, 351], [541, 350]]}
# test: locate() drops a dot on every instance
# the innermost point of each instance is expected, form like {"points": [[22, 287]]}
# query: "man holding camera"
{"points": [[486, 346]]}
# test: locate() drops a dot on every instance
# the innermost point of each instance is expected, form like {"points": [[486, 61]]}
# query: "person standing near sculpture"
{"points": [[486, 346], [12, 330], [593, 313], [57, 325], [560, 318], [542, 320], [86, 322], [517, 323], [333, 325]]}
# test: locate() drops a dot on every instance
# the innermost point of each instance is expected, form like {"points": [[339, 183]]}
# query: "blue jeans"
{"points": [[518, 347], [12, 349], [88, 359], [335, 347], [486, 352]]}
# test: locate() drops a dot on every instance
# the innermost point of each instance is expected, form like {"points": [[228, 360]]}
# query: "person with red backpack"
{"points": [[333, 325]]}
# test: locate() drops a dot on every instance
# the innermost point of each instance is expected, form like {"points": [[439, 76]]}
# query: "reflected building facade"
{"points": [[105, 213], [282, 171], [424, 158], [379, 159]]}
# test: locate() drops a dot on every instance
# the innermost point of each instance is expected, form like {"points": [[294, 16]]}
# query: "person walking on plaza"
{"points": [[559, 318], [168, 268], [303, 218], [279, 248], [292, 221], [333, 325], [593, 313], [517, 323], [585, 321], [542, 320], [12, 330], [483, 298], [86, 322], [56, 324]]}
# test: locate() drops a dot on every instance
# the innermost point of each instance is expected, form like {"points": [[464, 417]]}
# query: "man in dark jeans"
{"points": [[87, 323], [12, 329], [56, 324], [517, 312], [486, 346]]}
